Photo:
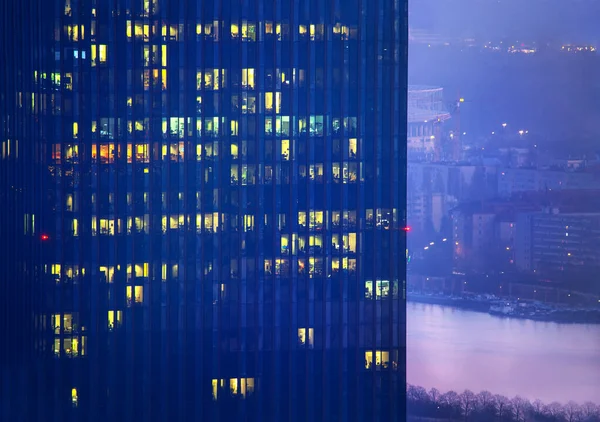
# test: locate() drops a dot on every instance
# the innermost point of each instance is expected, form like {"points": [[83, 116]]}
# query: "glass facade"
{"points": [[208, 207]]}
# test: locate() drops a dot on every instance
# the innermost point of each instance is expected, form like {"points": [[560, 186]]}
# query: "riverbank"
{"points": [[435, 406], [506, 308]]}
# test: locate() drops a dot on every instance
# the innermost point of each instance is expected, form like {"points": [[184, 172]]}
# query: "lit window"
{"points": [[248, 31], [377, 360], [282, 267], [215, 388], [285, 150], [268, 266], [306, 337], [74, 397], [302, 219], [102, 53], [248, 78], [115, 319], [237, 387], [316, 220], [380, 289], [135, 294]]}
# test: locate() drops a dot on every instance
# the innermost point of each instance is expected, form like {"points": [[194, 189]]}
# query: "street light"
{"points": [[504, 125]]}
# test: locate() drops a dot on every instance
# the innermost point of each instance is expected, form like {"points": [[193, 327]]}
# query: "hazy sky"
{"points": [[541, 20]]}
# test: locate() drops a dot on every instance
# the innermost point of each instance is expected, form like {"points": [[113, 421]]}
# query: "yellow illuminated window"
{"points": [[102, 53], [115, 318], [352, 147], [74, 397], [378, 359], [235, 30], [56, 323], [93, 54], [269, 101], [75, 129], [285, 150], [68, 81], [139, 294], [248, 78], [233, 386], [247, 386], [316, 220], [108, 272], [237, 387], [273, 98], [302, 219], [306, 336]]}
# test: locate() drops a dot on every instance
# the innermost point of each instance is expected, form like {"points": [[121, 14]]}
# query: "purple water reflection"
{"points": [[450, 349]]}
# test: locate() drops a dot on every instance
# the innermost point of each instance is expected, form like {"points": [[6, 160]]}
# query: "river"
{"points": [[452, 349]]}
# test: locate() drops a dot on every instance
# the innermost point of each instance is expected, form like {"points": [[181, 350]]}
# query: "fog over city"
{"points": [[504, 241], [539, 20]]}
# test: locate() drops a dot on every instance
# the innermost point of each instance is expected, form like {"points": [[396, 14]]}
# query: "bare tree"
{"points": [[519, 407], [418, 394], [572, 412], [485, 399], [502, 405], [554, 410], [434, 396], [537, 409], [590, 412], [450, 399], [538, 406], [467, 402]]}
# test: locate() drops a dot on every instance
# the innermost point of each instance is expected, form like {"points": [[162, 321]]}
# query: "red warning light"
{"points": [[44, 237], [406, 229]]}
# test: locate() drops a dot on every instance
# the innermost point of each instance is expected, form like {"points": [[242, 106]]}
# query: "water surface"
{"points": [[452, 349]]}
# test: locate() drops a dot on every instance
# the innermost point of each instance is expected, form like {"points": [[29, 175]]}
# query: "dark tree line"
{"points": [[487, 407]]}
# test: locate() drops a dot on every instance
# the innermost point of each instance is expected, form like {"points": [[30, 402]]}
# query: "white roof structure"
{"points": [[426, 104]]}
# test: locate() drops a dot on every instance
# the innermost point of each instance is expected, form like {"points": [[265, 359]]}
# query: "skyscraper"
{"points": [[209, 202]]}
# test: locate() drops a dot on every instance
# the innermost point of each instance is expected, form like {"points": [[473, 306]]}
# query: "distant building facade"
{"points": [[515, 180], [550, 241]]}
